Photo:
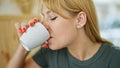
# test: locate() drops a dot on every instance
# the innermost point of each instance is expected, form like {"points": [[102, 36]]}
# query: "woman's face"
{"points": [[63, 31]]}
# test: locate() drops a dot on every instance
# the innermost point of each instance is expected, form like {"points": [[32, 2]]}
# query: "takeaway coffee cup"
{"points": [[34, 36]]}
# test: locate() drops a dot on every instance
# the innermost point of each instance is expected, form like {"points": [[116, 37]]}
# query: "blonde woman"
{"points": [[75, 40]]}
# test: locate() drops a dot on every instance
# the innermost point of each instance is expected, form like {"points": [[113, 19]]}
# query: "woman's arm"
{"points": [[18, 60]]}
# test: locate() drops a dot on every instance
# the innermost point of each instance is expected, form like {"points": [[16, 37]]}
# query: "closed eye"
{"points": [[53, 18]]}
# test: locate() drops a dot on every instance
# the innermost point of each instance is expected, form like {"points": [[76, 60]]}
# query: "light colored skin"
{"points": [[68, 33], [18, 60]]}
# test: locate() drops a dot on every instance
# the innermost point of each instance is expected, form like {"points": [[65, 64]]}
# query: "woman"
{"points": [[75, 40]]}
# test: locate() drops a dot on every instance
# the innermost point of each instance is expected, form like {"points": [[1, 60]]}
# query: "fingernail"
{"points": [[31, 24], [46, 46], [43, 45], [24, 29], [35, 20], [20, 29]]}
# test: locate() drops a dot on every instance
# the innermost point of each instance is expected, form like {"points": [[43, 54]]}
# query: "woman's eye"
{"points": [[53, 18]]}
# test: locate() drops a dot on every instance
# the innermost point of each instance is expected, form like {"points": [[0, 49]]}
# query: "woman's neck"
{"points": [[83, 48]]}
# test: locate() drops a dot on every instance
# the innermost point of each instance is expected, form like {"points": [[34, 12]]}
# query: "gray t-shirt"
{"points": [[108, 56]]}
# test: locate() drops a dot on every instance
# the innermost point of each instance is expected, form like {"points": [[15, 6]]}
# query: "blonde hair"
{"points": [[74, 7]]}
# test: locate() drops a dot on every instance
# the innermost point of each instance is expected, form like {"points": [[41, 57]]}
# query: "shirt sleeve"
{"points": [[40, 58]]}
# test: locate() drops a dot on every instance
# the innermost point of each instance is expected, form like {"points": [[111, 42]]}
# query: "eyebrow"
{"points": [[48, 12]]}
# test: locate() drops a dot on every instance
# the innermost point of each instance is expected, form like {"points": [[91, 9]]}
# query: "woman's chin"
{"points": [[54, 47]]}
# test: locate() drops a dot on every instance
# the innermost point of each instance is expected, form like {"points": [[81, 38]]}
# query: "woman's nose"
{"points": [[46, 25]]}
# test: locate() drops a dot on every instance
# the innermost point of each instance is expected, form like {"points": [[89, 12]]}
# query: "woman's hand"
{"points": [[22, 28], [21, 53]]}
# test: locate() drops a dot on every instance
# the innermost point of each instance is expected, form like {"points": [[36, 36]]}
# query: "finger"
{"points": [[31, 23], [18, 29], [35, 20], [44, 45], [24, 27]]}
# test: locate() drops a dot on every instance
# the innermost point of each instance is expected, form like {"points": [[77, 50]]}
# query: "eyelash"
{"points": [[53, 18]]}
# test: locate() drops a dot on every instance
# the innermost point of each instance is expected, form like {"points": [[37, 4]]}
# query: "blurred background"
{"points": [[12, 11], [108, 12]]}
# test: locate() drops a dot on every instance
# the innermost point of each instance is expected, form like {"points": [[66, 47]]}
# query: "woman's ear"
{"points": [[81, 19]]}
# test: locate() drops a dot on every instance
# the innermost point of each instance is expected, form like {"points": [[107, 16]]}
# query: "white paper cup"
{"points": [[34, 36]]}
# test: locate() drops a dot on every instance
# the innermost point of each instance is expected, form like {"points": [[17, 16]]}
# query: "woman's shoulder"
{"points": [[115, 49], [112, 48], [114, 54]]}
